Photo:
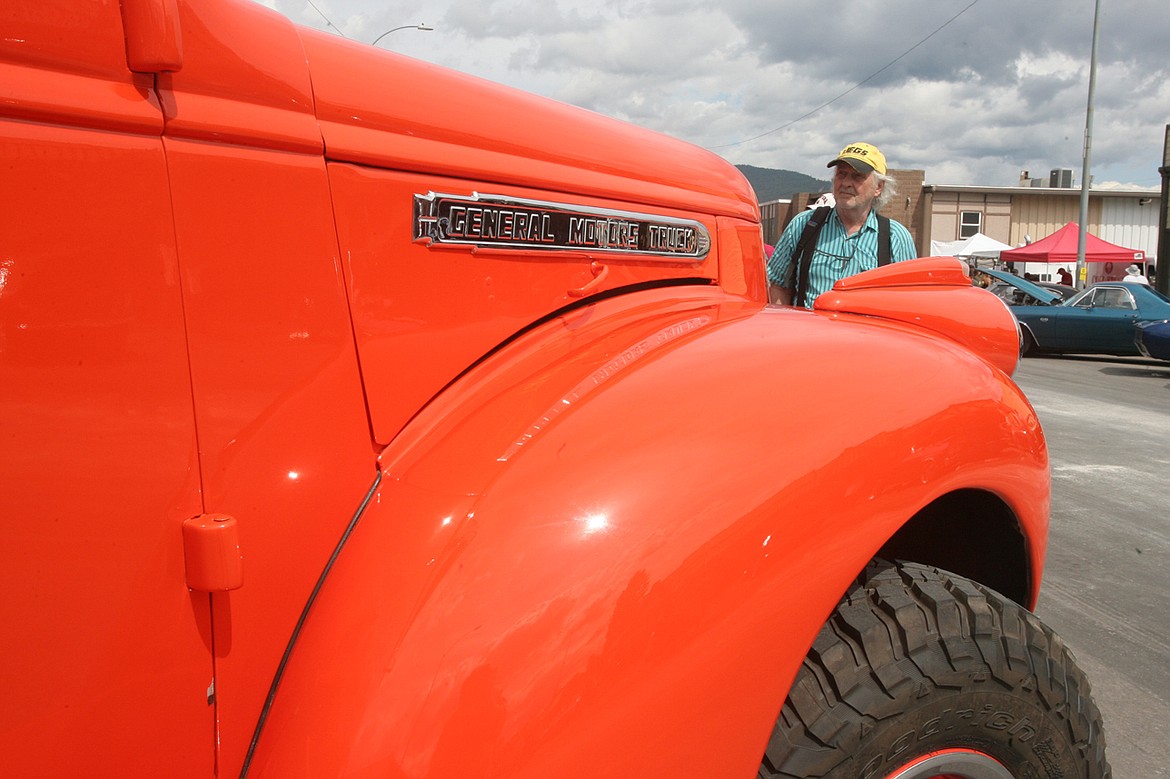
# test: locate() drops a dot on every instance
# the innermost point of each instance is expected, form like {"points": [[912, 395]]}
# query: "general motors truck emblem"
{"points": [[500, 222]]}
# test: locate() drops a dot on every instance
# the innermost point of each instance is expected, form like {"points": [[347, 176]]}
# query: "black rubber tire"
{"points": [[916, 661]]}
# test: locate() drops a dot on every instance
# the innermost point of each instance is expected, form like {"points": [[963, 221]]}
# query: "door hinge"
{"points": [[211, 550], [153, 41]]}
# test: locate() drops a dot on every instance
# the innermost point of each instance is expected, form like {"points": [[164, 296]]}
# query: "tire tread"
{"points": [[905, 631]]}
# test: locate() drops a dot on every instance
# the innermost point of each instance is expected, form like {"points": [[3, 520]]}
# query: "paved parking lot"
{"points": [[1107, 587]]}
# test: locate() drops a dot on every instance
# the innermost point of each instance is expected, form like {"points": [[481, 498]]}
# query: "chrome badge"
{"points": [[494, 221]]}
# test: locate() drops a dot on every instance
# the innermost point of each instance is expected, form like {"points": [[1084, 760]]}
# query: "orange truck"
{"points": [[360, 418]]}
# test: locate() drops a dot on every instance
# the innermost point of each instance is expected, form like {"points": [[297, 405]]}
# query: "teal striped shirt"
{"points": [[837, 255]]}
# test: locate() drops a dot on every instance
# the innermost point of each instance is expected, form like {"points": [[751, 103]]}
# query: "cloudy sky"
{"points": [[971, 91]]}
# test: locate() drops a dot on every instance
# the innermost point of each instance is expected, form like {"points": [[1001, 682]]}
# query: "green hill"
{"points": [[771, 184]]}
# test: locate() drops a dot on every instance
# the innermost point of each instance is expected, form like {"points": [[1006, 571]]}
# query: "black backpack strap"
{"points": [[802, 254], [884, 252]]}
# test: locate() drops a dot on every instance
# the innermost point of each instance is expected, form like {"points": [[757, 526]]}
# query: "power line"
{"points": [[326, 18], [871, 77]]}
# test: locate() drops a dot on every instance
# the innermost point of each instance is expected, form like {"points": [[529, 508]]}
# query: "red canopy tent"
{"points": [[1061, 246]]}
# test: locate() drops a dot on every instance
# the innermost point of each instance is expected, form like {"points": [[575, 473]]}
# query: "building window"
{"points": [[970, 222]]}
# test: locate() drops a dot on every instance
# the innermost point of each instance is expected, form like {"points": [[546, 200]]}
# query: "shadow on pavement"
{"points": [[1136, 367]]}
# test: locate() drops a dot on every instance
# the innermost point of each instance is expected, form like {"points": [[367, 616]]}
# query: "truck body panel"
{"points": [[523, 475], [103, 645]]}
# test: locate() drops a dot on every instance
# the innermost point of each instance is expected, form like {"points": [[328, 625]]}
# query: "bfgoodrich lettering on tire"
{"points": [[921, 673]]}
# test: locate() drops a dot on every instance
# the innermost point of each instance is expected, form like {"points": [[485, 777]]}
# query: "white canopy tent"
{"points": [[975, 247], [945, 248]]}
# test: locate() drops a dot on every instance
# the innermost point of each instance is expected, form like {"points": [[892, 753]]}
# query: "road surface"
{"points": [[1107, 586]]}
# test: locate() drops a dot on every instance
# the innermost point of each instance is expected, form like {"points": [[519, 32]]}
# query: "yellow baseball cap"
{"points": [[862, 157]]}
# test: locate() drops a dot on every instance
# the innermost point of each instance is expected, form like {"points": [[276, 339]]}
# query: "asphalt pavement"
{"points": [[1107, 585]]}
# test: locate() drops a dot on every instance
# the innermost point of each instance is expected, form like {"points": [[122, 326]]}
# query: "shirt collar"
{"points": [[870, 221]]}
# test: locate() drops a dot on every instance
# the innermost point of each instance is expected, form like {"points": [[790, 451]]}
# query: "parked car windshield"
{"points": [[1064, 290]]}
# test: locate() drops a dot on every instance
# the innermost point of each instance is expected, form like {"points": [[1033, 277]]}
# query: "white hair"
{"points": [[889, 189]]}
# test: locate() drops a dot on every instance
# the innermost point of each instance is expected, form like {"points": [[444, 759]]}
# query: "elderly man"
{"points": [[821, 246]]}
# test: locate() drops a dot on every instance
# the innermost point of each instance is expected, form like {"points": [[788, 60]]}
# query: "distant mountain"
{"points": [[771, 184]]}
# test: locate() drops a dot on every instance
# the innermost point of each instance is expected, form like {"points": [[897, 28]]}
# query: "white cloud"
{"points": [[971, 92]]}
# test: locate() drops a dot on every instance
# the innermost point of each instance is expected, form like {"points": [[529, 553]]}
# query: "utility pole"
{"points": [[1162, 271], [1086, 177]]}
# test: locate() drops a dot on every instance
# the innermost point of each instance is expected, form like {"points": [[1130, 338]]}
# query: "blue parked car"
{"points": [[1101, 319], [1153, 339]]}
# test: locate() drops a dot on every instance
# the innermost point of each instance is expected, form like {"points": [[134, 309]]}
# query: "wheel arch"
{"points": [[973, 533], [1028, 342]]}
